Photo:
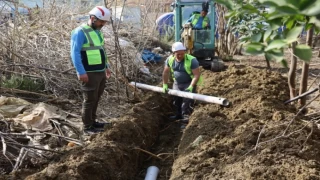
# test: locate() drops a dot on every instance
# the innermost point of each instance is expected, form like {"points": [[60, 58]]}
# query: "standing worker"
{"points": [[91, 63], [186, 74]]}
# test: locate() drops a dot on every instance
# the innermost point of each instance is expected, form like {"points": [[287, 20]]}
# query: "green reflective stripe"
{"points": [[205, 22], [95, 57], [196, 17], [170, 62], [90, 48], [87, 34], [95, 38], [94, 45]]}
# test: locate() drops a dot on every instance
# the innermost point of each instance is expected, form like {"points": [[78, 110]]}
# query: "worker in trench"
{"points": [[91, 63], [186, 74]]}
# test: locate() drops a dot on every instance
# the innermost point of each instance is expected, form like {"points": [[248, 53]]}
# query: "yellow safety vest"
{"points": [[196, 17], [93, 55], [187, 66]]}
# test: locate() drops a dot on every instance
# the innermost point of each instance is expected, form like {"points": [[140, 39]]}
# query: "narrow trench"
{"points": [[165, 147]]}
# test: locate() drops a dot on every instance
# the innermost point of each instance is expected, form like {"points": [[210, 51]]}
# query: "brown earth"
{"points": [[248, 140], [252, 139]]}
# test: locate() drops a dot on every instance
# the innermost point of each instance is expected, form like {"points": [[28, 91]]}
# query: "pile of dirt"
{"points": [[116, 153], [255, 138]]}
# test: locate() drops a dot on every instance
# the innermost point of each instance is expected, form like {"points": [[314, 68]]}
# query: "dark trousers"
{"points": [[92, 92], [184, 106]]}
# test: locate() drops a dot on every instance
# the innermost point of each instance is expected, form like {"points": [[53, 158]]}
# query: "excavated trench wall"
{"points": [[112, 154]]}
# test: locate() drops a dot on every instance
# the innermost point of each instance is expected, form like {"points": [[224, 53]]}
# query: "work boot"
{"points": [[176, 117], [91, 130], [183, 126], [185, 119], [98, 124]]}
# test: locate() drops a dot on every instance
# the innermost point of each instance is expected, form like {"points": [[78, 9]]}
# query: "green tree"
{"points": [[295, 15]]}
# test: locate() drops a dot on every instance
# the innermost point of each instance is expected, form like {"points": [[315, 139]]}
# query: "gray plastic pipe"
{"points": [[152, 173], [200, 97]]}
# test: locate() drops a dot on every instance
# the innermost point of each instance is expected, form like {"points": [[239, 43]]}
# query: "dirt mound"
{"points": [[113, 154], [255, 138]]}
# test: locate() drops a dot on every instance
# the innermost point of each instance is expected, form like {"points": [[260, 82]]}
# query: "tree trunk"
{"points": [[292, 73], [305, 70], [268, 62]]}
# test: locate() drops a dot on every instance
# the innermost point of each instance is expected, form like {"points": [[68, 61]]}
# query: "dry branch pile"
{"points": [[38, 46]]}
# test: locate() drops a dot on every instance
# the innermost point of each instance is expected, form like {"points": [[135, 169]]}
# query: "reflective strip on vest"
{"points": [[196, 17], [187, 66], [93, 50]]}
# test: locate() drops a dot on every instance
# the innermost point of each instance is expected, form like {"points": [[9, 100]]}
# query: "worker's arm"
{"points": [[196, 76], [165, 74], [195, 71], [77, 40]]}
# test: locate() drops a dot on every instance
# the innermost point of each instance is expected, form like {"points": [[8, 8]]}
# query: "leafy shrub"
{"points": [[23, 83]]}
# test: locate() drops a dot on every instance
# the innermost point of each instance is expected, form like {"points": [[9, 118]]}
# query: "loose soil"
{"points": [[257, 137], [252, 139]]}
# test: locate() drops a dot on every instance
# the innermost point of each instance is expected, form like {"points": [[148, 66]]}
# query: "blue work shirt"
{"points": [[77, 40], [199, 23]]}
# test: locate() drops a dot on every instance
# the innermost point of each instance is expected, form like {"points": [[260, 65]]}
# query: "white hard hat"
{"points": [[178, 46], [101, 13]]}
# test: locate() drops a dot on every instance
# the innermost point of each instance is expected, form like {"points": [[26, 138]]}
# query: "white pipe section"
{"points": [[152, 173], [200, 97]]}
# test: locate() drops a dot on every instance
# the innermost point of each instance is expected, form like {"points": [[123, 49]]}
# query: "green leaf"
{"points": [[256, 37], [287, 10], [251, 8], [227, 3], [244, 39], [312, 9], [304, 52], [309, 26], [293, 34], [289, 24], [304, 4], [295, 3], [275, 55], [273, 2], [274, 15], [273, 35], [267, 34], [230, 14], [254, 48], [315, 21], [276, 44], [275, 23]]}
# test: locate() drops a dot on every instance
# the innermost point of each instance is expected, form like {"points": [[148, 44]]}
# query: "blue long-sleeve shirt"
{"points": [[199, 23], [77, 40]]}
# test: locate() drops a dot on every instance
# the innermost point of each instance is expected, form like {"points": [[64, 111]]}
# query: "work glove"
{"points": [[189, 89], [165, 88]]}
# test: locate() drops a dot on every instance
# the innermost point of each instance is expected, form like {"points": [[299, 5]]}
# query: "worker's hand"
{"points": [[84, 78], [108, 73], [189, 89], [165, 88]]}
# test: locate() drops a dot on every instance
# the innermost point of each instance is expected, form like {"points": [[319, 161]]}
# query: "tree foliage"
{"points": [[258, 22]]}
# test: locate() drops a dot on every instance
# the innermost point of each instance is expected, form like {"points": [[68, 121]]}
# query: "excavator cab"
{"points": [[199, 42]]}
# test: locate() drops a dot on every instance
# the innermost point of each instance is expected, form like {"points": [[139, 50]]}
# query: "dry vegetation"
{"points": [[36, 49]]}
